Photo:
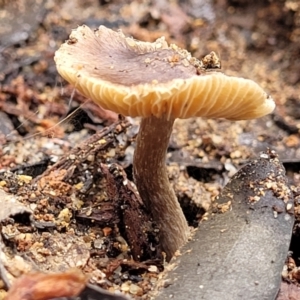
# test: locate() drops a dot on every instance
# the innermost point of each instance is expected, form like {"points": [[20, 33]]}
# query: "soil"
{"points": [[66, 164]]}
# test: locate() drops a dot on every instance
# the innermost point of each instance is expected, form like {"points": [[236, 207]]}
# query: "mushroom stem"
{"points": [[151, 177]]}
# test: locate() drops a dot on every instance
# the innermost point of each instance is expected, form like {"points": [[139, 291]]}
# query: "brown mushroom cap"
{"points": [[136, 78]]}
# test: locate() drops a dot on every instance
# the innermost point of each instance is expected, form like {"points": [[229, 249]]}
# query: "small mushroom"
{"points": [[158, 82]]}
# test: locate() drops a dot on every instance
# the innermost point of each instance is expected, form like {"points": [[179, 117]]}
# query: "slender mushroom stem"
{"points": [[151, 177]]}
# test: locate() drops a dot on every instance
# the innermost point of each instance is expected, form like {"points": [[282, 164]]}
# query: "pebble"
{"points": [[153, 269], [135, 290]]}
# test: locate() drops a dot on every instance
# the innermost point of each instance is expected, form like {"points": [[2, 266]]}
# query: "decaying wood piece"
{"points": [[140, 230], [125, 209], [108, 198], [239, 252], [102, 140]]}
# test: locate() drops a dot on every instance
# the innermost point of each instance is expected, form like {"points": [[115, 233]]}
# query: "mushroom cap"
{"points": [[136, 78]]}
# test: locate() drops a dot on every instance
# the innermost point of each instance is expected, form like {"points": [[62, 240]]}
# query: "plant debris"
{"points": [[60, 212], [38, 286]]}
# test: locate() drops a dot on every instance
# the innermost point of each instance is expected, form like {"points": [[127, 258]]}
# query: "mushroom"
{"points": [[158, 82]]}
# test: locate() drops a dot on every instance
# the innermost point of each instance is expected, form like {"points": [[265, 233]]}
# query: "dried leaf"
{"points": [[40, 286]]}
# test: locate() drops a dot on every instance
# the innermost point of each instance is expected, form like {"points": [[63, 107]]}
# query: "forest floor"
{"points": [[68, 197]]}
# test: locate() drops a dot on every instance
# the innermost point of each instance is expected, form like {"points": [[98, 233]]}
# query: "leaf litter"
{"points": [[66, 217]]}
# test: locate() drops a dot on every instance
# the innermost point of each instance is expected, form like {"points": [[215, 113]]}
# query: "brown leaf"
{"points": [[40, 286]]}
